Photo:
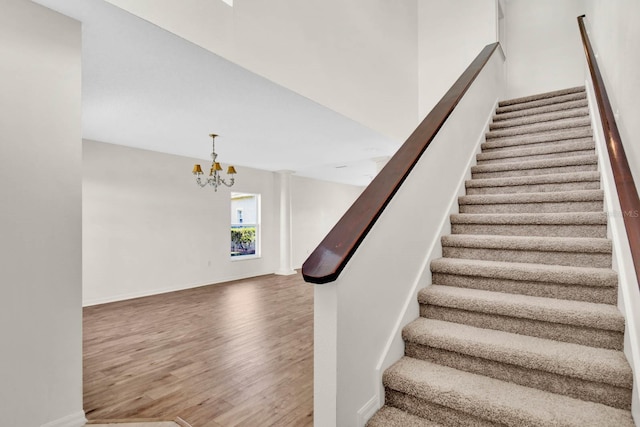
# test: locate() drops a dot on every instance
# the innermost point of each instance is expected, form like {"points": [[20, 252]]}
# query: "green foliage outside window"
{"points": [[243, 239]]}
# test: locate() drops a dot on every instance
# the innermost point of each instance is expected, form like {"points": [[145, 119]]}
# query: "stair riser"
{"points": [[434, 412], [540, 110], [574, 387], [572, 259], [543, 147], [550, 127], [546, 117], [536, 188], [536, 149], [534, 207], [562, 230], [586, 152], [535, 172], [540, 103], [389, 416], [519, 149], [555, 331], [539, 142], [600, 295]]}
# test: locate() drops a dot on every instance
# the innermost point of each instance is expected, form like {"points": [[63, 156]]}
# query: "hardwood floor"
{"points": [[233, 354]]}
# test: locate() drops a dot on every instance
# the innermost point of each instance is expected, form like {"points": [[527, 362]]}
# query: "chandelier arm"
{"points": [[231, 182], [200, 183]]}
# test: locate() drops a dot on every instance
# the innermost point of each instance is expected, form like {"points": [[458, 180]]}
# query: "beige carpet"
{"points": [[520, 326]]}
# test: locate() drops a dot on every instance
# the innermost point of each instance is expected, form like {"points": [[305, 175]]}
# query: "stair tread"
{"points": [[540, 197], [559, 106], [534, 179], [540, 127], [522, 140], [389, 416], [543, 102], [565, 218], [567, 275], [544, 116], [577, 313], [590, 159], [562, 358], [537, 151], [531, 243], [496, 400], [543, 95]]}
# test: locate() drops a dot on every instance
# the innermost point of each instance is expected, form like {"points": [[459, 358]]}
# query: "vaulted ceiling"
{"points": [[147, 88]]}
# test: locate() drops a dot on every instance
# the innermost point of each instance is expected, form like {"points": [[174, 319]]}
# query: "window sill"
{"points": [[244, 257]]}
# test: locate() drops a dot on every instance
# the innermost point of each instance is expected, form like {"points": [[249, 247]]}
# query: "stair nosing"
{"points": [[577, 103], [535, 197], [540, 138], [532, 352], [568, 147], [590, 159], [591, 245], [562, 275], [553, 313], [545, 218], [543, 117], [468, 393], [537, 128], [543, 95], [514, 181]]}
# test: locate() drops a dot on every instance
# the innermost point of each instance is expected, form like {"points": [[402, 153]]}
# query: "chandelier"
{"points": [[214, 179]]}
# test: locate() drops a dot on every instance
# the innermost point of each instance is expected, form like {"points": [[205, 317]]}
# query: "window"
{"points": [[245, 225]]}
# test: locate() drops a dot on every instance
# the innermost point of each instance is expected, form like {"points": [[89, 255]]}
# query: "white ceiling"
{"points": [[145, 87]]}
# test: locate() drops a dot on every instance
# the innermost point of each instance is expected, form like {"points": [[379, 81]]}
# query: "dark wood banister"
{"points": [[627, 191], [331, 256]]}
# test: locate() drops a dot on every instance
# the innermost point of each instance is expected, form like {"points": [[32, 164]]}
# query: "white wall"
{"points": [[40, 176], [359, 317], [316, 206], [544, 51], [615, 36], [148, 228], [450, 36], [357, 57]]}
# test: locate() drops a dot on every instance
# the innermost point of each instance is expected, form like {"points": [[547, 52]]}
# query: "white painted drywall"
{"points": [[366, 303], [357, 57], [628, 295], [148, 228], [40, 176], [544, 49], [615, 36], [450, 36], [316, 208]]}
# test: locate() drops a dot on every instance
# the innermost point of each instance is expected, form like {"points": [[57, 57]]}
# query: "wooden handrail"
{"points": [[627, 191], [331, 256]]}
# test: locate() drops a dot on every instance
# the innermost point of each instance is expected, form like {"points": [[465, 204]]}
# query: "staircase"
{"points": [[520, 326]]}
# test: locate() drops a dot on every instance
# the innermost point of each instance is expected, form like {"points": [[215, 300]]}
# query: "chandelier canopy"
{"points": [[214, 179]]}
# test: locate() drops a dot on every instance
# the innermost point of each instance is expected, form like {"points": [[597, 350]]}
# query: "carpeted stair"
{"points": [[520, 326]]}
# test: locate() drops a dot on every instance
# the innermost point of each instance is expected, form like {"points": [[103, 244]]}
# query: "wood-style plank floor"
{"points": [[232, 354]]}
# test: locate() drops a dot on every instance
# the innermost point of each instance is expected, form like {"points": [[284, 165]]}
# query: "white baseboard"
{"points": [[285, 272], [149, 292], [367, 411], [72, 420]]}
